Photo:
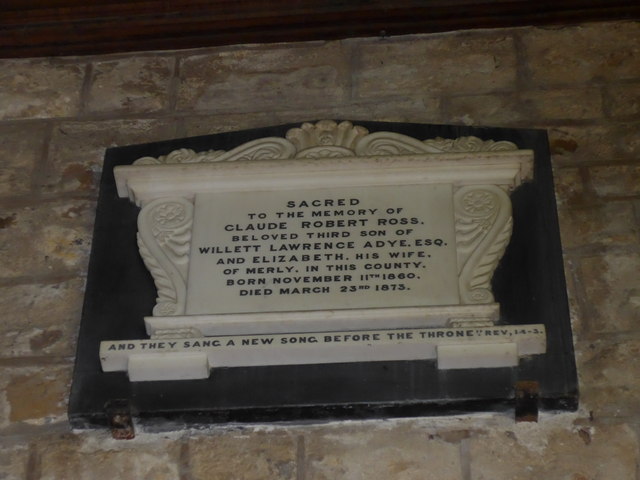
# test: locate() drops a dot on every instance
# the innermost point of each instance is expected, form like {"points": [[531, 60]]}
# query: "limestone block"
{"points": [[578, 54], [130, 85], [419, 110], [39, 88], [40, 319], [13, 461], [607, 404], [487, 109], [469, 63], [569, 186], [616, 180], [507, 108], [609, 373], [21, 147], [381, 454], [423, 108], [604, 224], [253, 80], [562, 104], [34, 395], [532, 452], [624, 99], [612, 287], [101, 458], [576, 145], [243, 456], [194, 125], [45, 238], [77, 150]]}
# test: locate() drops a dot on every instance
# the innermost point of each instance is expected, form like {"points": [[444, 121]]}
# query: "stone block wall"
{"points": [[57, 116]]}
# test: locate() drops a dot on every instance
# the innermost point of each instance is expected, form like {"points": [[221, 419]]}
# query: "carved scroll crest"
{"points": [[483, 227], [261, 149], [164, 240], [329, 139], [326, 139]]}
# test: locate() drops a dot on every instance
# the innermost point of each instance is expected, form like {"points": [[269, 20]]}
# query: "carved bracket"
{"points": [[164, 240], [483, 227]]}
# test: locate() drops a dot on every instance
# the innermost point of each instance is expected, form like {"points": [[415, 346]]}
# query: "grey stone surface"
{"points": [[380, 454], [579, 54], [607, 366], [21, 148], [273, 78], [534, 452], [130, 85], [409, 110], [40, 319], [45, 238], [13, 462], [39, 88], [570, 188], [603, 224], [468, 63], [77, 457], [77, 150], [502, 109], [616, 180], [243, 456], [612, 289], [605, 142], [624, 99], [209, 124], [563, 104]]}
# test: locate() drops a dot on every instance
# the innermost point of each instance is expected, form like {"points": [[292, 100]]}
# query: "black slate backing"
{"points": [[529, 284]]}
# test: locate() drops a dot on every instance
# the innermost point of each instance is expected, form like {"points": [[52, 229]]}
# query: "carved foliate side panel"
{"points": [[164, 240], [483, 225]]}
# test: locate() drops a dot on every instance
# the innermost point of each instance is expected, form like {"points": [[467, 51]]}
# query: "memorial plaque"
{"points": [[324, 251]]}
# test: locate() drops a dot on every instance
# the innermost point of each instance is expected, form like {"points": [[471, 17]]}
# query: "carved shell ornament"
{"points": [[482, 212], [329, 139]]}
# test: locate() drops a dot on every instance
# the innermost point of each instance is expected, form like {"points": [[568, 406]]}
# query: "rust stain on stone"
{"points": [[6, 222], [585, 436], [45, 339], [562, 145], [79, 173]]}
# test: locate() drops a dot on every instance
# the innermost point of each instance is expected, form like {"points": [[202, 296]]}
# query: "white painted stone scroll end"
{"points": [[485, 355], [168, 366]]}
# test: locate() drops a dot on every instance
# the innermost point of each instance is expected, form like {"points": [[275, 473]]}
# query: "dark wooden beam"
{"points": [[31, 28]]}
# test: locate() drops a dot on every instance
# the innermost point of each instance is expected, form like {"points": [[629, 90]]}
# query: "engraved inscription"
{"points": [[323, 249]]}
